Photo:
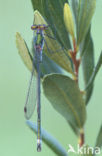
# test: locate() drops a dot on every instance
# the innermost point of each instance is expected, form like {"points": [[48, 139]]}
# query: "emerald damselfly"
{"points": [[33, 97]]}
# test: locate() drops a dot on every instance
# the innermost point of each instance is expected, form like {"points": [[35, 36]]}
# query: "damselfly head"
{"points": [[39, 27]]}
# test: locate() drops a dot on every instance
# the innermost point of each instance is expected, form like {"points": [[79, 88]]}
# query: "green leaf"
{"points": [[99, 138], [24, 51], [53, 49], [87, 54], [87, 8], [47, 66], [74, 5], [65, 97], [96, 69], [68, 20], [53, 11], [49, 140]]}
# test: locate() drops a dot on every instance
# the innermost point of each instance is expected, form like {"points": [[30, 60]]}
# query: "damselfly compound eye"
{"points": [[33, 27]]}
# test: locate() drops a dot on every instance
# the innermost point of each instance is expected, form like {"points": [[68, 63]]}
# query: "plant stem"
{"points": [[81, 139], [76, 62]]}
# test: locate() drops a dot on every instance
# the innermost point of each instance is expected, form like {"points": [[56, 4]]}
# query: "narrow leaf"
{"points": [[54, 14], [99, 63], [87, 54], [87, 8], [52, 48], [68, 19], [99, 138], [75, 6], [23, 51], [49, 140], [65, 97]]}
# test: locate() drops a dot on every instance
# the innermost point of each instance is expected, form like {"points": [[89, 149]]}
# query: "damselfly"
{"points": [[33, 96], [38, 43]]}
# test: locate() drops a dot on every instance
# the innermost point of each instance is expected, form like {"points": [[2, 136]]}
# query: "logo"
{"points": [[84, 150]]}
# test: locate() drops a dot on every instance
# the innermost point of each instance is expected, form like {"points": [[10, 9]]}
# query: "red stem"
{"points": [[81, 141], [76, 61]]}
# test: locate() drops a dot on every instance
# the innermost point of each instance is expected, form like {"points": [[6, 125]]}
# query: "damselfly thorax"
{"points": [[38, 40]]}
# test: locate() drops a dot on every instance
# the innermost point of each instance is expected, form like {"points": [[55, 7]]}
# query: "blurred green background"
{"points": [[16, 139]]}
